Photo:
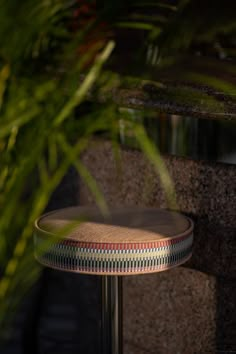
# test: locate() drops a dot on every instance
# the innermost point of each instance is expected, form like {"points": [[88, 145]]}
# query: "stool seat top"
{"points": [[130, 240]]}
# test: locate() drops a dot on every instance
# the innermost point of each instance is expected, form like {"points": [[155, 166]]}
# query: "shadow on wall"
{"points": [[215, 246]]}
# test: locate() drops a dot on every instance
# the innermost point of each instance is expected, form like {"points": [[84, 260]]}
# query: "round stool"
{"points": [[131, 241]]}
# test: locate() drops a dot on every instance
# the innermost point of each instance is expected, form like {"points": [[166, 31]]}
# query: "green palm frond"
{"points": [[27, 26]]}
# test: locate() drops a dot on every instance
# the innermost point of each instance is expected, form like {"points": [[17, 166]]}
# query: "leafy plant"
{"points": [[40, 135]]}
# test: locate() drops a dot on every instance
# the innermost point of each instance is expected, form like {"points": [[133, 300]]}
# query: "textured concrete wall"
{"points": [[191, 309]]}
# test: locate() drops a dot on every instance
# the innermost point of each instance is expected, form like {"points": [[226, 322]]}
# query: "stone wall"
{"points": [[190, 309]]}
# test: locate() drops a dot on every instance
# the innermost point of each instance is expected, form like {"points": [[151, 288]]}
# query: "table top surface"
{"points": [[127, 224]]}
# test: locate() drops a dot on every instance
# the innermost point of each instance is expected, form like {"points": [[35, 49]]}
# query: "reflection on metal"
{"points": [[203, 139], [112, 315]]}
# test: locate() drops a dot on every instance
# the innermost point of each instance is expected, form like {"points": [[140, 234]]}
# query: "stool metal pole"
{"points": [[112, 341]]}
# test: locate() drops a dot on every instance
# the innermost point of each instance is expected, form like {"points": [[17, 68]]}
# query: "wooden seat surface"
{"points": [[131, 240]]}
